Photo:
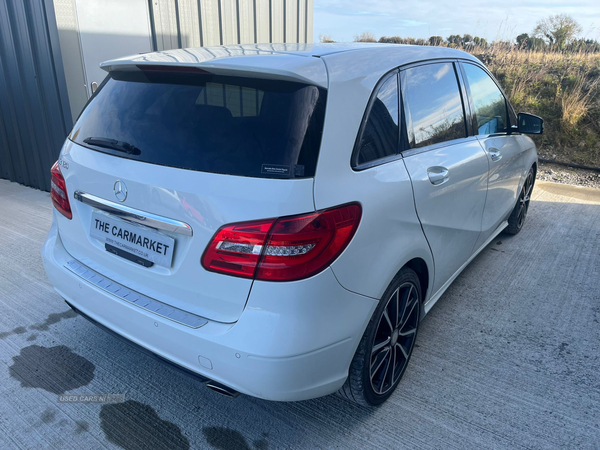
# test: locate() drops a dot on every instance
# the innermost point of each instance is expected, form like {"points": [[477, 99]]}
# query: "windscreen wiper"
{"points": [[113, 144]]}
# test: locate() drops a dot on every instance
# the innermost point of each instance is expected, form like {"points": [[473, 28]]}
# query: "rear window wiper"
{"points": [[113, 144]]}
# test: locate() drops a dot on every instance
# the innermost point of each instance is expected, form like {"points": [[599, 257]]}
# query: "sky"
{"points": [[490, 19]]}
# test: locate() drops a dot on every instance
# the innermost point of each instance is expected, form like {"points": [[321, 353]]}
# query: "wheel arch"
{"points": [[419, 266], [425, 274]]}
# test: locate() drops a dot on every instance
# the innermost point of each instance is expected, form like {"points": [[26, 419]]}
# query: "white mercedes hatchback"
{"points": [[277, 219]]}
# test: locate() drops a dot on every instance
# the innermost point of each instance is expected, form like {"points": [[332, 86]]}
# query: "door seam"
{"points": [[420, 222]]}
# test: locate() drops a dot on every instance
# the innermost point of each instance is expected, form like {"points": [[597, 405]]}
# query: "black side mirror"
{"points": [[530, 124]]}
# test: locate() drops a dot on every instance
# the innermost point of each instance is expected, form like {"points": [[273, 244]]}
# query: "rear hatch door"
{"points": [[187, 153]]}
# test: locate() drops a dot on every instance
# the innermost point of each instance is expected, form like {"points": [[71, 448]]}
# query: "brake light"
{"points": [[284, 249], [58, 192], [236, 249]]}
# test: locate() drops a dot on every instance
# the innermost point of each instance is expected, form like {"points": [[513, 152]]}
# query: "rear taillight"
{"points": [[284, 249], [58, 192]]}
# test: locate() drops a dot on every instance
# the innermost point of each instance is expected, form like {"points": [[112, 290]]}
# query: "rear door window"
{"points": [[209, 123], [489, 104], [379, 137], [432, 104]]}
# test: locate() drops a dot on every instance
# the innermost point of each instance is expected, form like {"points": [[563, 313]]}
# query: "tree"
{"points": [[367, 36], [391, 40], [536, 43], [436, 40], [584, 45], [455, 40], [467, 40], [523, 40], [480, 42], [558, 30]]}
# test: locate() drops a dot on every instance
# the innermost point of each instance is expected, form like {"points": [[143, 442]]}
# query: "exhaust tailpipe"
{"points": [[222, 389]]}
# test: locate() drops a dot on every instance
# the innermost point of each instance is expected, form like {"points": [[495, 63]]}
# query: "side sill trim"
{"points": [[134, 215]]}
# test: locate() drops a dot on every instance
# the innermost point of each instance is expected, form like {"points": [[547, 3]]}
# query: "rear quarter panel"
{"points": [[389, 234]]}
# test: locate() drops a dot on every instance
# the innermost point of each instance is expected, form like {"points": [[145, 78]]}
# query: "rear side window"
{"points": [[380, 134], [489, 104], [432, 104], [209, 123]]}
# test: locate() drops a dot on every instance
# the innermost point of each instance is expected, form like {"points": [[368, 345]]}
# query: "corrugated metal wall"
{"points": [[34, 109], [201, 23]]}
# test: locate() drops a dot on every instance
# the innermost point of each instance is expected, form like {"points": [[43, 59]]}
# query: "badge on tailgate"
{"points": [[137, 240]]}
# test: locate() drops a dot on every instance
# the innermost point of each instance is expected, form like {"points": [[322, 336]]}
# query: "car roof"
{"points": [[282, 60]]}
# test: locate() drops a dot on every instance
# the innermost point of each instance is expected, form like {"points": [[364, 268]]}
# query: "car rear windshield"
{"points": [[197, 121]]}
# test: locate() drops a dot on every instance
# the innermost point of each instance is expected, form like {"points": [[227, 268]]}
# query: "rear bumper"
{"points": [[294, 341]]}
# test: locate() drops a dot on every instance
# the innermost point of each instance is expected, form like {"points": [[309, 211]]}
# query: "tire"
{"points": [[517, 217], [369, 387]]}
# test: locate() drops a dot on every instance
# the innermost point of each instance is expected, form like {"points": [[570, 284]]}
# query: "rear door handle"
{"points": [[438, 175], [495, 154]]}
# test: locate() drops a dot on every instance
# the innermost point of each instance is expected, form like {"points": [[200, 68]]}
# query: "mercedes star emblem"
{"points": [[120, 191]]}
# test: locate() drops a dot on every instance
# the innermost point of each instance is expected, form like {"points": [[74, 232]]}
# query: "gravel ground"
{"points": [[568, 175]]}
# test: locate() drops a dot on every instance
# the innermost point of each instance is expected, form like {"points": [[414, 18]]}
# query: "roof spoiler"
{"points": [[273, 67]]}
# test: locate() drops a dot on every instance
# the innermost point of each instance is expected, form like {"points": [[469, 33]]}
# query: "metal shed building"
{"points": [[50, 51]]}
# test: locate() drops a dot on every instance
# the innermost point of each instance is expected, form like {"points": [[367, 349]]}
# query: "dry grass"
{"points": [[563, 88], [576, 101]]}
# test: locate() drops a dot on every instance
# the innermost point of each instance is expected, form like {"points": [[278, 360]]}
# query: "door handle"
{"points": [[438, 175], [495, 154]]}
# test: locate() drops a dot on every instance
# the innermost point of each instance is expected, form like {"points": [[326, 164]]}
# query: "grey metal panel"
{"points": [[291, 20], [72, 59], [57, 55], [277, 21], [263, 21], [310, 7], [34, 116], [189, 24], [166, 24], [301, 29], [109, 30], [229, 21], [193, 23], [246, 21], [211, 23]]}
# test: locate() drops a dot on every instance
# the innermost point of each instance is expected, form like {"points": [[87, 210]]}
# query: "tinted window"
{"points": [[237, 126], [433, 105], [380, 135], [489, 105]]}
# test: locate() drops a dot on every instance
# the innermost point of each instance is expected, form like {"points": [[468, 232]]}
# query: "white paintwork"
{"points": [[450, 212], [205, 201], [284, 347], [504, 179], [288, 340], [435, 297], [266, 62]]}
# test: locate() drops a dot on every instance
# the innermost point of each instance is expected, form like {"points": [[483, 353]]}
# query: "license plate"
{"points": [[134, 239]]}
